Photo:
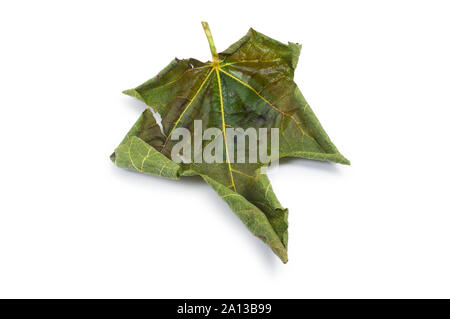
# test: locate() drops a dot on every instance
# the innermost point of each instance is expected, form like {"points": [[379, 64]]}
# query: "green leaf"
{"points": [[249, 85]]}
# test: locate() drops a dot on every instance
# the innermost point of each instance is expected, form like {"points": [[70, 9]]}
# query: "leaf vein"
{"points": [[266, 101], [223, 130], [186, 108]]}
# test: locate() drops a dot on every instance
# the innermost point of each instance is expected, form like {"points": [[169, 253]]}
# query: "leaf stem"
{"points": [[212, 47]]}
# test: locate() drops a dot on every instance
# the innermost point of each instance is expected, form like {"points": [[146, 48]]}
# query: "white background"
{"points": [[377, 75]]}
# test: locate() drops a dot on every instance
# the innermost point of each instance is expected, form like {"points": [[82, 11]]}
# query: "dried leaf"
{"points": [[249, 85]]}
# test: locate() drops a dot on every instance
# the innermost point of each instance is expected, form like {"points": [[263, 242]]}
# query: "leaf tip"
{"points": [[284, 257], [134, 93], [128, 92], [345, 161]]}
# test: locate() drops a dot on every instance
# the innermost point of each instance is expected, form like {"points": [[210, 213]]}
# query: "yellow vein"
{"points": [[129, 155], [265, 100], [267, 189], [223, 128], [241, 173], [186, 108], [228, 195], [162, 168], [249, 61], [183, 74], [145, 158]]}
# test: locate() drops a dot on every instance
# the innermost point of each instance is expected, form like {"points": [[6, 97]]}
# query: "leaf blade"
{"points": [[252, 87]]}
